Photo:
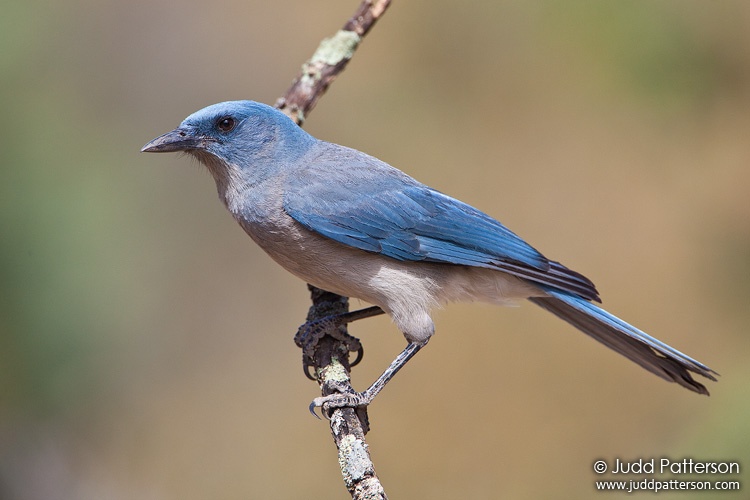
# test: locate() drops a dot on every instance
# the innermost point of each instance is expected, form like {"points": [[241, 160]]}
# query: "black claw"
{"points": [[312, 410], [306, 369], [360, 355]]}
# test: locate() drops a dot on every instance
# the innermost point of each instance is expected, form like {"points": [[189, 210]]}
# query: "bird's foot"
{"points": [[309, 334], [344, 398], [340, 400], [358, 401]]}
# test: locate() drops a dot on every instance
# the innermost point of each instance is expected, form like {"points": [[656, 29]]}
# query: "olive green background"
{"points": [[146, 344]]}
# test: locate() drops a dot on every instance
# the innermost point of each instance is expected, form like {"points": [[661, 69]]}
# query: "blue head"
{"points": [[239, 141]]}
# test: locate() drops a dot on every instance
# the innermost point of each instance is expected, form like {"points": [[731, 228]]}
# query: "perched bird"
{"points": [[351, 224]]}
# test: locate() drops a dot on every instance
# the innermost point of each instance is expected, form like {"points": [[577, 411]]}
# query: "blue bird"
{"points": [[351, 224]]}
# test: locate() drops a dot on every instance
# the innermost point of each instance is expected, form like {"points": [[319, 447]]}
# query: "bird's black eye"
{"points": [[226, 123]]}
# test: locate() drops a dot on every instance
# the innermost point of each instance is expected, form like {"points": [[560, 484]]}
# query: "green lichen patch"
{"points": [[339, 47]]}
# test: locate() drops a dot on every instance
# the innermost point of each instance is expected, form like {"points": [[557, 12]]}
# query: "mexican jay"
{"points": [[353, 225]]}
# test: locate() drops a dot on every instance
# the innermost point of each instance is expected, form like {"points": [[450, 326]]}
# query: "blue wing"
{"points": [[379, 209]]}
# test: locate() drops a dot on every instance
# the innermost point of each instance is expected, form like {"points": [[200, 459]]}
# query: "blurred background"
{"points": [[146, 344]]}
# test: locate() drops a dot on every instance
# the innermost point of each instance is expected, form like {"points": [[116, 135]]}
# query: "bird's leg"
{"points": [[309, 334], [360, 399]]}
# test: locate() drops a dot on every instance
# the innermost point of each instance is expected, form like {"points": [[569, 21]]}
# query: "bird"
{"points": [[351, 224]]}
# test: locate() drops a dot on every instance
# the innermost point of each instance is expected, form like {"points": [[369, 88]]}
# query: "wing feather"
{"points": [[379, 209]]}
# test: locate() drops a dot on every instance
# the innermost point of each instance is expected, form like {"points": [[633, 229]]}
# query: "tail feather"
{"points": [[639, 347]]}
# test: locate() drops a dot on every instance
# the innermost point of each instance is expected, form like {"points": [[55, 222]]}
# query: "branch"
{"points": [[328, 61], [331, 359]]}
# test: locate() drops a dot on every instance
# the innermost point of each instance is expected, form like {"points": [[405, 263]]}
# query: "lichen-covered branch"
{"points": [[328, 61], [331, 358]]}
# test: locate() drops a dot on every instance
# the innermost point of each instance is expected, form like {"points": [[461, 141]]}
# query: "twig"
{"points": [[331, 359], [328, 61]]}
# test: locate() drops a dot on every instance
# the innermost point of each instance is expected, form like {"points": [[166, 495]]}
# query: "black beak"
{"points": [[177, 140]]}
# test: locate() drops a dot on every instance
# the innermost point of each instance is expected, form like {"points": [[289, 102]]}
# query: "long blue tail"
{"points": [[639, 347]]}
